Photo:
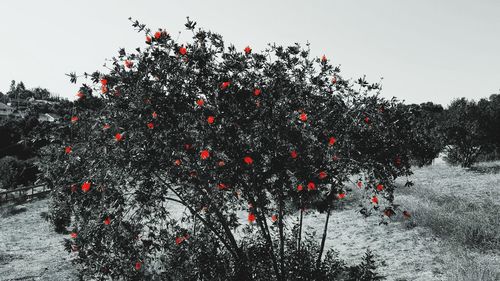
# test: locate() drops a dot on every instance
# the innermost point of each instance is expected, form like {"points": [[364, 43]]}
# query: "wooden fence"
{"points": [[23, 193]]}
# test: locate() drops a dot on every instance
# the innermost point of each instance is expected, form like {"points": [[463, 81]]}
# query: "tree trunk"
{"points": [[322, 246]]}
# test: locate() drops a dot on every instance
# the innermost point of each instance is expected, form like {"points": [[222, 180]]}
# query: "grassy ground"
{"points": [[29, 248], [453, 234]]}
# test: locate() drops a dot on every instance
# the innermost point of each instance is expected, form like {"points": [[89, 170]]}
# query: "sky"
{"points": [[425, 50]]}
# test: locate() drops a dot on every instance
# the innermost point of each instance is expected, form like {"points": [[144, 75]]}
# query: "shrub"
{"points": [[225, 134]]}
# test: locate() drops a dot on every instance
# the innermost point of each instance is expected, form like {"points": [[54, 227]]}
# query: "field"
{"points": [[453, 234]]}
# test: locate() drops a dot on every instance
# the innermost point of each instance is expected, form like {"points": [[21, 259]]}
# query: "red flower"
{"points": [[157, 35], [106, 126], [332, 141], [293, 154], [257, 92], [274, 218], [104, 89], [221, 163], [148, 39], [303, 117], [380, 187], [67, 150], [118, 137], [388, 212], [251, 217], [204, 154], [182, 51], [323, 58], [335, 158], [80, 95], [248, 50], [322, 175], [300, 187], [177, 162], [374, 200], [341, 195], [360, 184], [151, 125], [224, 85], [129, 64], [334, 79], [200, 102], [107, 221], [187, 146], [86, 186], [248, 160], [397, 161], [138, 265], [73, 235], [210, 119], [311, 186], [367, 120], [406, 214], [179, 240], [104, 82], [221, 186], [73, 187], [154, 115], [74, 119]]}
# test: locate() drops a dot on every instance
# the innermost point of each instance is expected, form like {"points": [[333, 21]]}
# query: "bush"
{"points": [[225, 134], [14, 172]]}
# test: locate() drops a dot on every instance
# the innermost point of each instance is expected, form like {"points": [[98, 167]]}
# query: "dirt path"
{"points": [[30, 249]]}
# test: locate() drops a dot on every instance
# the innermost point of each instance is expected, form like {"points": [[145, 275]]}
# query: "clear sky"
{"points": [[426, 50]]}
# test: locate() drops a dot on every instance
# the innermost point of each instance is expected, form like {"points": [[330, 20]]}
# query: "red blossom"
{"points": [[148, 39], [86, 186], [74, 119], [107, 221], [248, 160], [300, 187], [224, 85], [323, 58], [73, 235], [154, 115], [73, 187], [257, 92], [367, 120], [360, 184], [406, 214], [210, 119], [177, 162], [374, 200], [322, 175], [67, 149], [80, 95], [388, 212], [104, 89], [303, 117], [335, 158], [138, 265], [204, 154], [274, 218], [341, 195], [380, 187], [221, 163], [311, 186], [157, 34], [104, 82], [251, 217], [106, 126], [129, 64], [118, 137], [293, 154], [221, 186], [200, 102], [179, 240], [332, 141], [248, 50], [334, 80], [151, 125], [182, 51], [187, 146]]}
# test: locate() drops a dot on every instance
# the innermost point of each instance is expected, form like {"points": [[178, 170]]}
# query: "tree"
{"points": [[221, 132]]}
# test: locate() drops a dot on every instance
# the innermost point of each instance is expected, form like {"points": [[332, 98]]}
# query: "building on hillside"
{"points": [[5, 110], [48, 117]]}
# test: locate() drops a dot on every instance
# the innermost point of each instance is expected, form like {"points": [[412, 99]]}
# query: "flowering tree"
{"points": [[222, 132]]}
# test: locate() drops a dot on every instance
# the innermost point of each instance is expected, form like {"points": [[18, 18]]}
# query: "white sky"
{"points": [[426, 50]]}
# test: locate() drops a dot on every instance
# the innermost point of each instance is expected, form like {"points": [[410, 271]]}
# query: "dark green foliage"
{"points": [[367, 270]]}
